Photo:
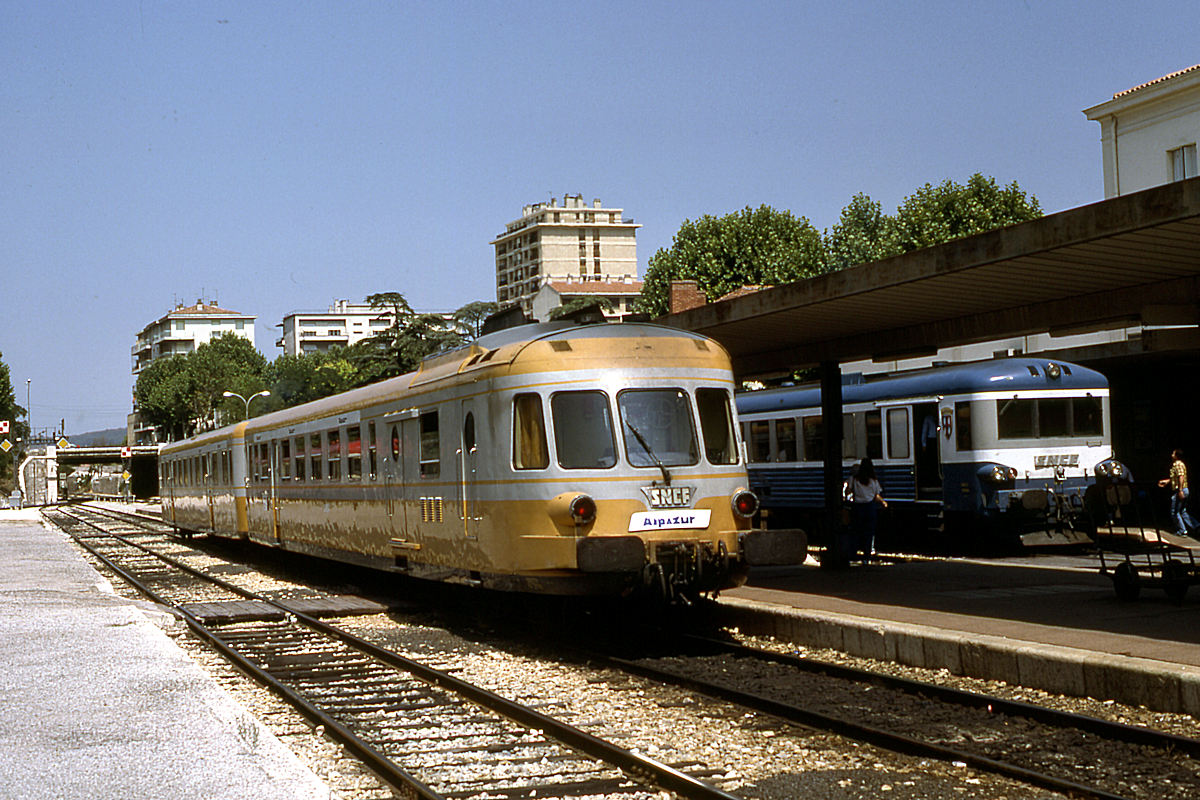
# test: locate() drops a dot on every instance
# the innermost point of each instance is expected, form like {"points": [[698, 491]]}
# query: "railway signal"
{"points": [[3, 426]]}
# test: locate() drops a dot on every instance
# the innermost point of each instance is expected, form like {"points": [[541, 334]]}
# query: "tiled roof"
{"points": [[1156, 81], [596, 287], [743, 291], [201, 309]]}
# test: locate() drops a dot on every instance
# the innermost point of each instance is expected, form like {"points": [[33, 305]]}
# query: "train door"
{"points": [[172, 478], [466, 462], [399, 433], [274, 470], [927, 462], [210, 491]]}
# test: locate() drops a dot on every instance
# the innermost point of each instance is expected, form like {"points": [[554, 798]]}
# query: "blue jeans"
{"points": [[1184, 524], [863, 518]]}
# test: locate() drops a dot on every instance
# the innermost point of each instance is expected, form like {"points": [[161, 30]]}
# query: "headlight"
{"points": [[1112, 470], [745, 504], [997, 473], [573, 508], [583, 509]]}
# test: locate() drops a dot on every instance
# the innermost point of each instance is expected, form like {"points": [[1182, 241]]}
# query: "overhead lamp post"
{"points": [[28, 410], [247, 400]]}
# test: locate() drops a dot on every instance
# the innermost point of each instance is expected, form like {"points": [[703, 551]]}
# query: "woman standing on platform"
{"points": [[1178, 481], [866, 498]]}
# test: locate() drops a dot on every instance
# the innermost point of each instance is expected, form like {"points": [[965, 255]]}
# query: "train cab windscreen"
{"points": [[657, 427]]}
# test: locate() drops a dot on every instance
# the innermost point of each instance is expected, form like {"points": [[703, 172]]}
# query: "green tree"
{"points": [[750, 247], [470, 318], [862, 234], [600, 304], [931, 215], [296, 379], [18, 429], [162, 395], [226, 363]]}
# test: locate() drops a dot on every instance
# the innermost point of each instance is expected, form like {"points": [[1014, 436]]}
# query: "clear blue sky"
{"points": [[276, 156]]}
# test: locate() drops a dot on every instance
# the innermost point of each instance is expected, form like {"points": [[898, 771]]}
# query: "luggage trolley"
{"points": [[1133, 555]]}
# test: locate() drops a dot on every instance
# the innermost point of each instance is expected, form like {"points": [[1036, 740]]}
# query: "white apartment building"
{"points": [[341, 325], [572, 242], [179, 331], [185, 328], [1149, 133]]}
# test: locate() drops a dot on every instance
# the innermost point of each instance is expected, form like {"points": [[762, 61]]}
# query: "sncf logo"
{"points": [[1065, 460], [668, 496]]}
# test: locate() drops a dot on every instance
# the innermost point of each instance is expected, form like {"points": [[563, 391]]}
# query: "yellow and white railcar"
{"points": [[556, 458]]}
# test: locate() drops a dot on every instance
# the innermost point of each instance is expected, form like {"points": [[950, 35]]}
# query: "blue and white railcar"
{"points": [[982, 448]]}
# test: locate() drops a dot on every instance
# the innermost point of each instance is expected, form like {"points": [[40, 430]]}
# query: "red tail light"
{"points": [[745, 504], [583, 509]]}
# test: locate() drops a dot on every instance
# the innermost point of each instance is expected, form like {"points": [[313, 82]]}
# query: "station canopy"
{"points": [[1130, 260]]}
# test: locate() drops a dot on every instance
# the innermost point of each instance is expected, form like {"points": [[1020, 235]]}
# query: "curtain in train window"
{"points": [[716, 426], [583, 432], [298, 455], [314, 457], [354, 452], [430, 453], [333, 458], [529, 433], [372, 452], [849, 437], [285, 459]]}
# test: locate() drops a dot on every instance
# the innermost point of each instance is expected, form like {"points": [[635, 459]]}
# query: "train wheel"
{"points": [[1126, 582], [1175, 581]]}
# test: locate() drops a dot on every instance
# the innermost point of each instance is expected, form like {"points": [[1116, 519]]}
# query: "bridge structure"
{"points": [[40, 479]]}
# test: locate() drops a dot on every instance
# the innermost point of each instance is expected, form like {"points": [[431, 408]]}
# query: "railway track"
{"points": [[1080, 756], [423, 731]]}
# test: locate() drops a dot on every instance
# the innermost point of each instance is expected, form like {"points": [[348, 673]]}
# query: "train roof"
{"points": [[1002, 374]]}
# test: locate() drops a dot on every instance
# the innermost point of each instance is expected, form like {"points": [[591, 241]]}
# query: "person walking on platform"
{"points": [[866, 498], [1178, 481]]}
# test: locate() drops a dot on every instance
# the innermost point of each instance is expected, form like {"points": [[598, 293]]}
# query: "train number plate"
{"points": [[674, 520]]}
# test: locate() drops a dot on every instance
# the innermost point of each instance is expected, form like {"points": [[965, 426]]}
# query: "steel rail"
{"points": [[865, 733], [646, 769], [1118, 731], [399, 779]]}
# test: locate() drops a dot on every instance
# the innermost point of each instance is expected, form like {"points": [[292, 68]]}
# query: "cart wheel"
{"points": [[1175, 581], [1126, 582]]}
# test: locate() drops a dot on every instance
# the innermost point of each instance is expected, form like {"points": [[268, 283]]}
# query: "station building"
{"points": [[574, 243], [1114, 285]]}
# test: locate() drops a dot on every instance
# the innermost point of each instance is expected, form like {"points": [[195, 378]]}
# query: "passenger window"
{"points": [[583, 433], [716, 426], [333, 457], [814, 438], [897, 428], [874, 420], [354, 452], [285, 460], [785, 440], [849, 437], [430, 448], [529, 433], [759, 441], [372, 460], [314, 457], [299, 456], [264, 462], [395, 445]]}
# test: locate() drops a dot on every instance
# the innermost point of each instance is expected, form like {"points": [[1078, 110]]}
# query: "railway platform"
{"points": [[1042, 621], [97, 702]]}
